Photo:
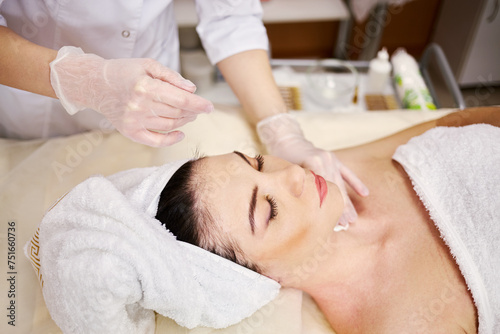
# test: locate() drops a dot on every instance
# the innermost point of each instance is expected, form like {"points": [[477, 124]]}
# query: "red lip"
{"points": [[321, 187]]}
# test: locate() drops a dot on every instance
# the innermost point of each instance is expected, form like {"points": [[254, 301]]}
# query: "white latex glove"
{"points": [[283, 137], [142, 99]]}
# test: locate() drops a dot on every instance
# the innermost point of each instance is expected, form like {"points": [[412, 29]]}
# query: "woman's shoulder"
{"points": [[444, 134], [449, 126], [448, 143]]}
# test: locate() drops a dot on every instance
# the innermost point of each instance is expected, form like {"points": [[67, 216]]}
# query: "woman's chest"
{"points": [[428, 293], [391, 195]]}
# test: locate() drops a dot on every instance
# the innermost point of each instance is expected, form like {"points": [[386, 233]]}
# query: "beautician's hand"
{"points": [[141, 98], [283, 137]]}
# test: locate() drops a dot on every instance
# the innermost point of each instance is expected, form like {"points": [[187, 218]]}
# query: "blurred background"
{"points": [[468, 31]]}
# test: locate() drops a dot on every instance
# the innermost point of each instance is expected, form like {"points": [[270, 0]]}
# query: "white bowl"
{"points": [[331, 83]]}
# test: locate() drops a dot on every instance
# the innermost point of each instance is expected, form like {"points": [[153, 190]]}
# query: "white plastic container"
{"points": [[379, 73], [196, 67], [410, 86]]}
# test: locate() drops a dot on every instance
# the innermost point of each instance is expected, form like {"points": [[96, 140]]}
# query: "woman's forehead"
{"points": [[219, 170], [225, 189]]}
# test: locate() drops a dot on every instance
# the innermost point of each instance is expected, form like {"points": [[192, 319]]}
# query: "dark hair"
{"points": [[182, 211]]}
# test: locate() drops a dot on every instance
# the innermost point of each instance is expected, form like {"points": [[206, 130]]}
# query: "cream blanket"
{"points": [[34, 174]]}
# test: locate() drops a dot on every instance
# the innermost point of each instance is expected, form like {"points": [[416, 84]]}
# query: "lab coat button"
{"points": [[125, 33]]}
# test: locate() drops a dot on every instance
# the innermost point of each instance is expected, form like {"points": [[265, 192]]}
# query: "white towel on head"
{"points": [[107, 263], [456, 173]]}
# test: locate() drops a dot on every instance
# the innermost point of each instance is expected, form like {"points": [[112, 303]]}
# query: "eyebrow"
{"points": [[253, 199], [242, 156], [251, 209]]}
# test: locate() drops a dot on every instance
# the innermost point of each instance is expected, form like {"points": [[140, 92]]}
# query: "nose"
{"points": [[293, 179]]}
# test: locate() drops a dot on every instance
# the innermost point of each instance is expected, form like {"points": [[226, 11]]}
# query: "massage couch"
{"points": [[35, 174]]}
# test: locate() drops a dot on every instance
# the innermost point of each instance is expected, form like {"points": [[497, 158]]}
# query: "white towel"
{"points": [[456, 174], [106, 263]]}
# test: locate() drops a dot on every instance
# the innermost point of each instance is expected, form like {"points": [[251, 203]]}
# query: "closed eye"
{"points": [[273, 212], [274, 208], [260, 162]]}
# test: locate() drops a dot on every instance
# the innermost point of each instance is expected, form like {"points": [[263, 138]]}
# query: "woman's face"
{"points": [[277, 212]]}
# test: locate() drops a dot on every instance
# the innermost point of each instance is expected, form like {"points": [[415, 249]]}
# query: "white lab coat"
{"points": [[114, 29]]}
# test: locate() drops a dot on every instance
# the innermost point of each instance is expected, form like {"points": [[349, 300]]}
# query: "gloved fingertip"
{"points": [[179, 136], [184, 84], [209, 108], [171, 138], [189, 83], [364, 191], [353, 216], [343, 220], [191, 118], [190, 86]]}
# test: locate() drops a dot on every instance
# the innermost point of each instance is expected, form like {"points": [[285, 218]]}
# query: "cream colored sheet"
{"points": [[34, 174]]}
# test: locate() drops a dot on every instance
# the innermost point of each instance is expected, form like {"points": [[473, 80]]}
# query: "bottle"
{"points": [[378, 73], [410, 86]]}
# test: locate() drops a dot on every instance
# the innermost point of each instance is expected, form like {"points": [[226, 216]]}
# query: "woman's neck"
{"points": [[361, 261], [350, 257]]}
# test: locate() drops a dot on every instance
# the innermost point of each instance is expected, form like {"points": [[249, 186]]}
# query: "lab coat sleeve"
{"points": [[227, 27], [2, 19]]}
